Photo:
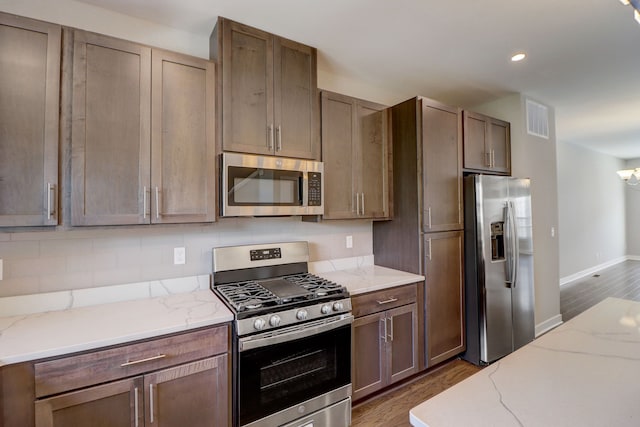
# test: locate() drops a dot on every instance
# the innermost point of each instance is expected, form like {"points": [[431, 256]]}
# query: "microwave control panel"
{"points": [[315, 189]]}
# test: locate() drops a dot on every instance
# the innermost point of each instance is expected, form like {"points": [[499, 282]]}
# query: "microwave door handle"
{"points": [[301, 188]]}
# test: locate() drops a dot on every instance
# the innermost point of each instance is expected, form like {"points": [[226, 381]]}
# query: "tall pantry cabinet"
{"points": [[426, 234]]}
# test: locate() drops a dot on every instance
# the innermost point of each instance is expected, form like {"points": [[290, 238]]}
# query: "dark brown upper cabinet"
{"points": [[30, 53], [268, 102], [487, 144], [141, 153], [355, 152]]}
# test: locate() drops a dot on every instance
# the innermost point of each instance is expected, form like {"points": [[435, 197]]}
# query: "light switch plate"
{"points": [[1, 276], [179, 256]]}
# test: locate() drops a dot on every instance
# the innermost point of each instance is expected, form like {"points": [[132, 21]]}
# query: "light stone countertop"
{"points": [[585, 372], [367, 278], [85, 323]]}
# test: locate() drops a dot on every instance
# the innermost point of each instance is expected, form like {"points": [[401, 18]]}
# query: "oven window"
{"points": [[260, 187], [279, 376]]}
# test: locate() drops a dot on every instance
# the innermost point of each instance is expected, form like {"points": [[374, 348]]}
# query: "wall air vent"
{"points": [[537, 119]]}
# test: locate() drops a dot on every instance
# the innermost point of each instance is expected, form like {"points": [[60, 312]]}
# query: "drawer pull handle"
{"points": [[148, 359], [390, 300]]}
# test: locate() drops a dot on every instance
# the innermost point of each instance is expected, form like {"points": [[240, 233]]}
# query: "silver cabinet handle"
{"points": [[391, 328], [144, 202], [384, 335], [279, 139], [157, 203], [270, 137], [151, 402], [362, 204], [148, 359], [429, 242], [493, 158], [51, 210], [357, 203], [135, 405], [487, 158], [387, 301], [429, 216]]}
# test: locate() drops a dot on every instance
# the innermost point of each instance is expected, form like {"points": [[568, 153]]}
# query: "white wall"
{"points": [[633, 214], [592, 210], [535, 158]]}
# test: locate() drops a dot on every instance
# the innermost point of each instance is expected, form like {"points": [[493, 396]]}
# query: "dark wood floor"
{"points": [[621, 281], [391, 409]]}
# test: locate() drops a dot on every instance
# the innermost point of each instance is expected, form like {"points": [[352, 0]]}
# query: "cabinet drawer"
{"points": [[69, 373], [374, 302]]}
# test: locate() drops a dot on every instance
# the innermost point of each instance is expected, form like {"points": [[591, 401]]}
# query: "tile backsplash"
{"points": [[49, 261]]}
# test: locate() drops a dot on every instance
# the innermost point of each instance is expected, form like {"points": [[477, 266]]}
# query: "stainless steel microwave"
{"points": [[271, 186]]}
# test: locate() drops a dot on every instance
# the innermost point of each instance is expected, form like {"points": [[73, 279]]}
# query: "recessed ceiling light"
{"points": [[518, 57]]}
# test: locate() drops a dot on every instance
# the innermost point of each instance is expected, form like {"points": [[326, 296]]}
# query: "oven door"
{"points": [[260, 185], [302, 364]]}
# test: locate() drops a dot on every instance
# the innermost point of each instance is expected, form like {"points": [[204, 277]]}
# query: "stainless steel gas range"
{"points": [[292, 337]]}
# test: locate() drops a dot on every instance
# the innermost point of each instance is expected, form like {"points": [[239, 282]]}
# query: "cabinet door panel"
{"points": [[403, 327], [442, 167], [247, 89], [111, 131], [337, 155], [296, 101], [110, 405], [373, 154], [501, 146], [183, 139], [476, 152], [369, 355], [445, 305], [29, 106], [194, 395]]}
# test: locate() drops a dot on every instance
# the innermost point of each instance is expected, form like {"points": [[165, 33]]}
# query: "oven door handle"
{"points": [[290, 334]]}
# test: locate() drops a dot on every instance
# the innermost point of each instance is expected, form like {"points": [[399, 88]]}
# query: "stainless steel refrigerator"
{"points": [[499, 288]]}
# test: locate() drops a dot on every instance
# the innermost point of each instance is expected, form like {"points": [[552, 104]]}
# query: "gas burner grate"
{"points": [[316, 285], [247, 295]]}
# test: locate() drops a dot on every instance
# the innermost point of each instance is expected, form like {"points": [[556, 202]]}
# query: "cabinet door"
{"points": [[444, 298], [29, 107], [182, 139], [477, 153], [338, 122], [115, 404], [296, 108], [110, 147], [500, 134], [373, 159], [369, 371], [442, 167], [402, 331], [194, 395], [247, 89]]}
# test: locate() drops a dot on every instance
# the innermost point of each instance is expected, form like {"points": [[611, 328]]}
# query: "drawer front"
{"points": [[374, 302], [69, 373]]}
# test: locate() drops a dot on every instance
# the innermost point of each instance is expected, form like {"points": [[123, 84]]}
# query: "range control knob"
{"points": [[259, 324], [302, 314], [338, 306], [326, 309], [274, 320]]}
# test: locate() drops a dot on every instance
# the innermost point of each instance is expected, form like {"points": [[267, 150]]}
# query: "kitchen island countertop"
{"points": [[585, 372]]}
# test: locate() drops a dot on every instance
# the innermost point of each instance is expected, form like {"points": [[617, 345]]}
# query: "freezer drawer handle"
{"points": [[388, 301]]}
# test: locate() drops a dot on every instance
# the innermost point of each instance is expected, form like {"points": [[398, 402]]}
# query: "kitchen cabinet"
{"points": [[268, 101], [142, 148], [487, 144], [171, 381], [385, 335], [444, 311], [30, 53], [427, 204], [355, 152]]}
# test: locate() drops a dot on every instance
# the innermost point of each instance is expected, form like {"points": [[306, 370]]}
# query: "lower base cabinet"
{"points": [[385, 336], [164, 389]]}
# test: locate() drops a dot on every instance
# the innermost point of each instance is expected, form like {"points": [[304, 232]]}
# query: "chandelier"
{"points": [[635, 4], [630, 176]]}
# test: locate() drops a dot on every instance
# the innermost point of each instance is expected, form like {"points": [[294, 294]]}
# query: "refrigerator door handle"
{"points": [[512, 242]]}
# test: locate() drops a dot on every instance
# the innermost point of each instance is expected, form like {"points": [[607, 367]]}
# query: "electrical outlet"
{"points": [[179, 256], [349, 242]]}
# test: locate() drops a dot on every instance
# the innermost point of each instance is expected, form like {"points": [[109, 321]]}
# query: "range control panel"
{"points": [[261, 254]]}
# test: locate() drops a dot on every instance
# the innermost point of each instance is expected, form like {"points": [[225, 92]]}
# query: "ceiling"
{"points": [[583, 55]]}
